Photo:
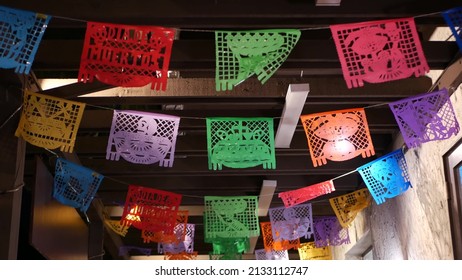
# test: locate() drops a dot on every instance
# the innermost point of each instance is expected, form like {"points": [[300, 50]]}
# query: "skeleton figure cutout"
{"points": [[143, 138], [337, 135], [291, 223], [391, 177], [382, 58], [379, 51], [386, 177], [20, 36], [425, 117], [75, 185]]}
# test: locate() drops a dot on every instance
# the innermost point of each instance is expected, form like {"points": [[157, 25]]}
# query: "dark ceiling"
{"points": [[314, 61]]}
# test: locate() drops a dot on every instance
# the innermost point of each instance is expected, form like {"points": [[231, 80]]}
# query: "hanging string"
{"points": [[183, 117], [50, 151], [199, 118], [432, 88], [194, 30], [450, 36], [11, 116], [97, 256], [117, 181], [375, 105], [112, 109], [15, 189], [343, 175], [208, 30], [197, 196], [427, 15], [315, 28], [71, 19]]}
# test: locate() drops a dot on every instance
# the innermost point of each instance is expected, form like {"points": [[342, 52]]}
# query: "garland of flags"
{"points": [[133, 56]]}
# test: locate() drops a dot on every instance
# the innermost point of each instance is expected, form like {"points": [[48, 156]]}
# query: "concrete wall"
{"points": [[414, 225]]}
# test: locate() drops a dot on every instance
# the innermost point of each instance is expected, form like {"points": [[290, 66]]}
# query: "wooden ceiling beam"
{"points": [[202, 91], [90, 146], [199, 55], [237, 13], [198, 166], [191, 184]]}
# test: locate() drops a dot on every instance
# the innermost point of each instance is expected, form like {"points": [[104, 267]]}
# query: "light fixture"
{"points": [[295, 101], [328, 2]]}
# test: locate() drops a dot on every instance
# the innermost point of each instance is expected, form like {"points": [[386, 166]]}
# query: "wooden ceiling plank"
{"points": [[202, 91], [95, 145], [200, 55], [228, 13]]}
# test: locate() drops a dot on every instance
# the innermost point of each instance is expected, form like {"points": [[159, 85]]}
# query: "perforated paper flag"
{"points": [[240, 143], [453, 18], [228, 246], [295, 197], [291, 223], [184, 245], [230, 217], [20, 35], [347, 206], [309, 251], [379, 51], [75, 185], [262, 254], [156, 209], [126, 55], [143, 138], [116, 227], [241, 54], [175, 236], [329, 232], [278, 243], [49, 122], [337, 135], [426, 117], [386, 177], [181, 256], [230, 256]]}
